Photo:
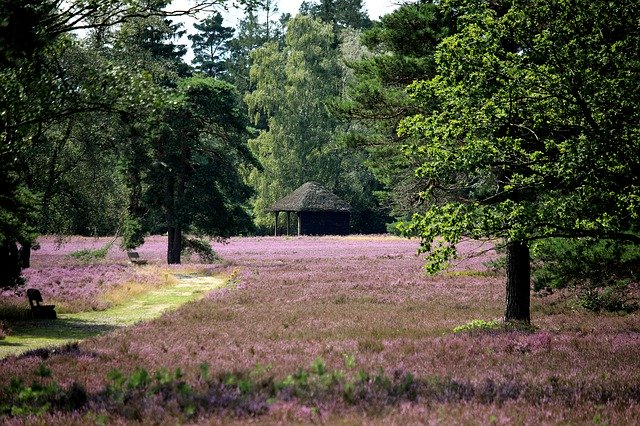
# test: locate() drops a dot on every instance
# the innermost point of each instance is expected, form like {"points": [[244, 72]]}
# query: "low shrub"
{"points": [[4, 330], [90, 256], [19, 399], [601, 271], [610, 299], [14, 307], [202, 248], [478, 325], [140, 394]]}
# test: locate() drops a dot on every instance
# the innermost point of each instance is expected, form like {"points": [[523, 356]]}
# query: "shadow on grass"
{"points": [[30, 334], [62, 328]]}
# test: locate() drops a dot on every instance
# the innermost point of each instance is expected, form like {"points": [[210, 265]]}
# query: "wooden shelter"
{"points": [[318, 211]]}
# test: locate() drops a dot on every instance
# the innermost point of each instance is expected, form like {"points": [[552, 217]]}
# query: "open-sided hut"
{"points": [[318, 211]]}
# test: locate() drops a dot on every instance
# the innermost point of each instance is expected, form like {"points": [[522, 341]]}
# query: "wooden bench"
{"points": [[134, 258], [38, 310]]}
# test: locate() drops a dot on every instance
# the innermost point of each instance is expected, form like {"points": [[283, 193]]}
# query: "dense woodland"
{"points": [[512, 120]]}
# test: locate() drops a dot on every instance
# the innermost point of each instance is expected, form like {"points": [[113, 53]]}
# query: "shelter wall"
{"points": [[324, 223]]}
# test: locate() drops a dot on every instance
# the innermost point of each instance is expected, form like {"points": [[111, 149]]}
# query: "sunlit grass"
{"points": [[132, 303], [134, 289]]}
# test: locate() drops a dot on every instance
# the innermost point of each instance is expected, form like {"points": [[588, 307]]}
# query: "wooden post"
{"points": [[299, 227], [276, 233], [288, 222]]}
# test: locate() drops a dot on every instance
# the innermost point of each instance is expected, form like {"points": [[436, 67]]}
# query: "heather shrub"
{"points": [[14, 307], [141, 395], [602, 271], [42, 396]]}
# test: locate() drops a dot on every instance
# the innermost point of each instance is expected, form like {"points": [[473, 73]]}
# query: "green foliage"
{"points": [[299, 143], [399, 49], [585, 263], [610, 299], [131, 397], [133, 233], [20, 400], [89, 256], [349, 361], [210, 44], [4, 329], [339, 13], [128, 395], [252, 32], [191, 181], [200, 247], [478, 326], [17, 224], [535, 134], [602, 271], [294, 84]]}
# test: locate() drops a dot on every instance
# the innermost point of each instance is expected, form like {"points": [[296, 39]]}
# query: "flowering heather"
{"points": [[73, 285], [359, 304]]}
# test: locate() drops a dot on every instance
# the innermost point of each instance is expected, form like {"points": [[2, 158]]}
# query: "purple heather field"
{"points": [[367, 299]]}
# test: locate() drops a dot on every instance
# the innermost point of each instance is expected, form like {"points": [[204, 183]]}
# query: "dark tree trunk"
{"points": [[518, 282], [176, 198], [25, 255], [174, 247], [10, 270], [173, 242]]}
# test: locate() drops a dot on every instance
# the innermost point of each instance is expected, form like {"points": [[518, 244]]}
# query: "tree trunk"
{"points": [[518, 282], [174, 247], [10, 270], [173, 232], [24, 253]]}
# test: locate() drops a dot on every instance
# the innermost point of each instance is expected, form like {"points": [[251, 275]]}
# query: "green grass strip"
{"points": [[33, 334]]}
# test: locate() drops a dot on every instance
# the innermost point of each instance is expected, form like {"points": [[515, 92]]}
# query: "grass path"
{"points": [[27, 335]]}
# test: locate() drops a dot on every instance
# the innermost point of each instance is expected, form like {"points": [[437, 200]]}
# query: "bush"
{"points": [[4, 330], [478, 325], [132, 234], [601, 270], [90, 256], [200, 247]]}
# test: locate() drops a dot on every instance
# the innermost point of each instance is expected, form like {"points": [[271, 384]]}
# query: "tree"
{"points": [[182, 159], [536, 133], [209, 45], [36, 95], [199, 148], [292, 85], [400, 49], [252, 33], [21, 48], [338, 13]]}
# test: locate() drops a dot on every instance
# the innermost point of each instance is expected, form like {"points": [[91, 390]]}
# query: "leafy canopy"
{"points": [[536, 132]]}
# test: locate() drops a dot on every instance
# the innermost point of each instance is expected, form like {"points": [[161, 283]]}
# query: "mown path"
{"points": [[27, 335]]}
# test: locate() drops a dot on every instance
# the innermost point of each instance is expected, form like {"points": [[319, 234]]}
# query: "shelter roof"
{"points": [[311, 197]]}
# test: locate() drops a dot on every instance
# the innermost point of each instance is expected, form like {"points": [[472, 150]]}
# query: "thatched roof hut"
{"points": [[318, 211]]}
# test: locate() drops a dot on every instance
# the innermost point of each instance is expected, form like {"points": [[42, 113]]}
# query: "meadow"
{"points": [[345, 330]]}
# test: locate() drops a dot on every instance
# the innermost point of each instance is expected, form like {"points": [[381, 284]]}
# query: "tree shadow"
{"points": [[43, 338], [61, 328]]}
